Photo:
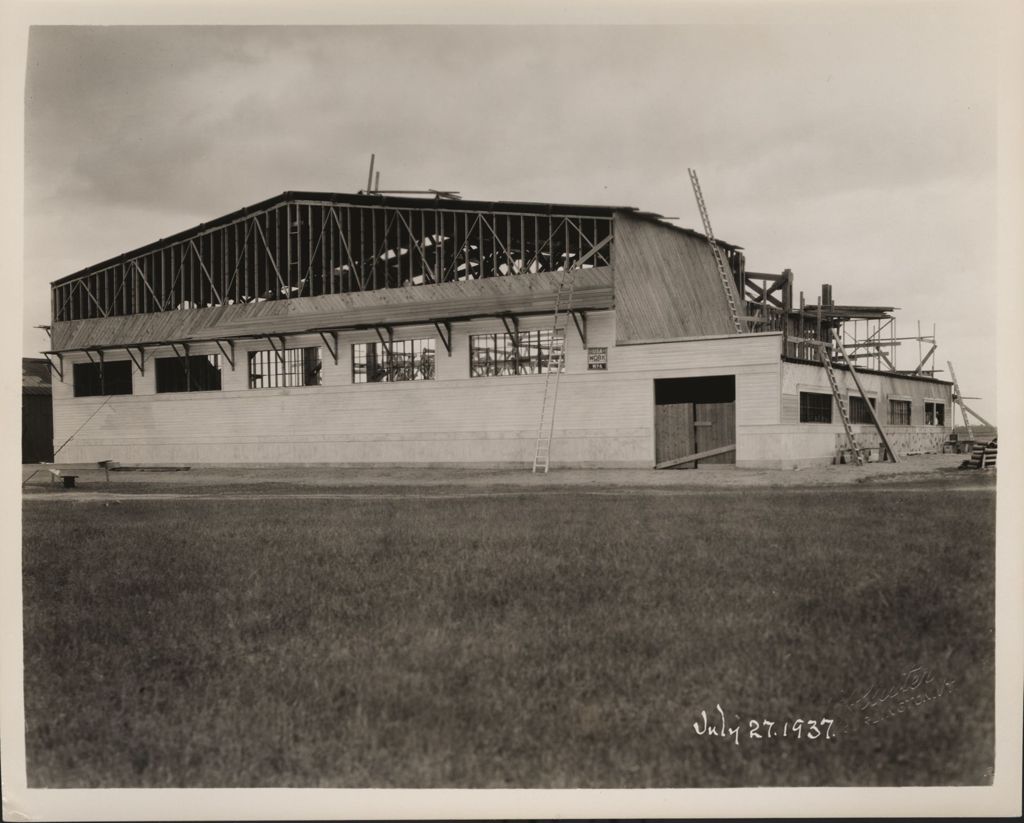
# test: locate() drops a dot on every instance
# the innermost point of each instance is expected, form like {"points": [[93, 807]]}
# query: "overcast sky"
{"points": [[859, 154]]}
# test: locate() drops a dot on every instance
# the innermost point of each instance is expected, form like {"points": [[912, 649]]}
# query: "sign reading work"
{"points": [[597, 359]]}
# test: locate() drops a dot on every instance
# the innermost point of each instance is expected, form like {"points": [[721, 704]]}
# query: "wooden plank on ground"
{"points": [[693, 457]]}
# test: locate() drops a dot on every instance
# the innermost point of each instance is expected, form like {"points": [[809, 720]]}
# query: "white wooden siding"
{"points": [[603, 417], [794, 444]]}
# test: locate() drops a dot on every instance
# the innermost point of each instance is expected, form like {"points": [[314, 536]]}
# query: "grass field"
{"points": [[522, 640]]}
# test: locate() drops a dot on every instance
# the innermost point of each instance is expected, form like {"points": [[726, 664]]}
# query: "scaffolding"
{"points": [[868, 333]]}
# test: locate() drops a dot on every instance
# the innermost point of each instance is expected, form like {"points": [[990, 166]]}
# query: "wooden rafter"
{"points": [[497, 239], [270, 255], [92, 297], [414, 241], [464, 248], [145, 282], [205, 271], [924, 359], [354, 270], [319, 240], [243, 248]]}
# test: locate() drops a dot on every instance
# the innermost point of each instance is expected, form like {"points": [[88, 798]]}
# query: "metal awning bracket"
{"points": [[390, 339], [140, 362], [57, 367], [278, 351], [511, 323], [579, 318], [228, 351], [444, 331], [181, 355], [327, 342]]}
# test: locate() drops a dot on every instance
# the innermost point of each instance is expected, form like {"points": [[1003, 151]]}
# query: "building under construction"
{"points": [[385, 329]]}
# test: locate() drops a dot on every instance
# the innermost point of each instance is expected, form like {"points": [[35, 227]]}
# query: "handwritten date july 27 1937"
{"points": [[763, 729]]}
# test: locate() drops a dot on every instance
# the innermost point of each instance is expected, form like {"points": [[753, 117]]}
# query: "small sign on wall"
{"points": [[597, 359]]}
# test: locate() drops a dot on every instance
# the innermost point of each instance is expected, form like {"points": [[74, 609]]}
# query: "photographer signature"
{"points": [[912, 688]]}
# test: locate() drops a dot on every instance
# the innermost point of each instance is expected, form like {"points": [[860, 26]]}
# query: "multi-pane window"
{"points": [[491, 355], [934, 413], [95, 379], [815, 407], [859, 411], [282, 368], [899, 412], [398, 360], [197, 372]]}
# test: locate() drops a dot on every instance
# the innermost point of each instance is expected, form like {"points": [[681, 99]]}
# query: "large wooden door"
{"points": [[673, 431], [715, 426], [693, 415]]}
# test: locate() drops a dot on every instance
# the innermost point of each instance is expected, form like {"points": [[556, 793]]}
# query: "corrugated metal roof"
{"points": [[403, 202], [35, 376]]}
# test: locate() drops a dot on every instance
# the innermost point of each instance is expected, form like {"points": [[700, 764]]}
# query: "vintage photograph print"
{"points": [[511, 406]]}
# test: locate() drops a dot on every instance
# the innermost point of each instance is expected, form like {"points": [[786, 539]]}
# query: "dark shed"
{"points": [[36, 411]]}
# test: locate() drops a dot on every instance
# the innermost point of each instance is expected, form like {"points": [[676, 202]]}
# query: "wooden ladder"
{"points": [[556, 360], [826, 361], [959, 400], [886, 446], [716, 252]]}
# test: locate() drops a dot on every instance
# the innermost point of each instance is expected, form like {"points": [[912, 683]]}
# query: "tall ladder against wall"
{"points": [[716, 252], [826, 361], [959, 400], [556, 355], [556, 359]]}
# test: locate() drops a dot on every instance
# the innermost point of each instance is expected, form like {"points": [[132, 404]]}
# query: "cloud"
{"points": [[860, 153]]}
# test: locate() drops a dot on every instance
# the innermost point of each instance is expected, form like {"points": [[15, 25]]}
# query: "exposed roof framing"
{"points": [[302, 244]]}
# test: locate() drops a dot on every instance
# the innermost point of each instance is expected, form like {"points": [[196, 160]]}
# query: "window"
{"points": [[491, 355], [95, 379], [399, 360], [934, 413], [197, 372], [269, 369], [815, 408], [899, 412], [859, 412]]}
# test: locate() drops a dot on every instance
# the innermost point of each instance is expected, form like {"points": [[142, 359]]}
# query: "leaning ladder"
{"points": [[716, 252], [826, 361], [959, 400], [837, 344], [556, 359]]}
